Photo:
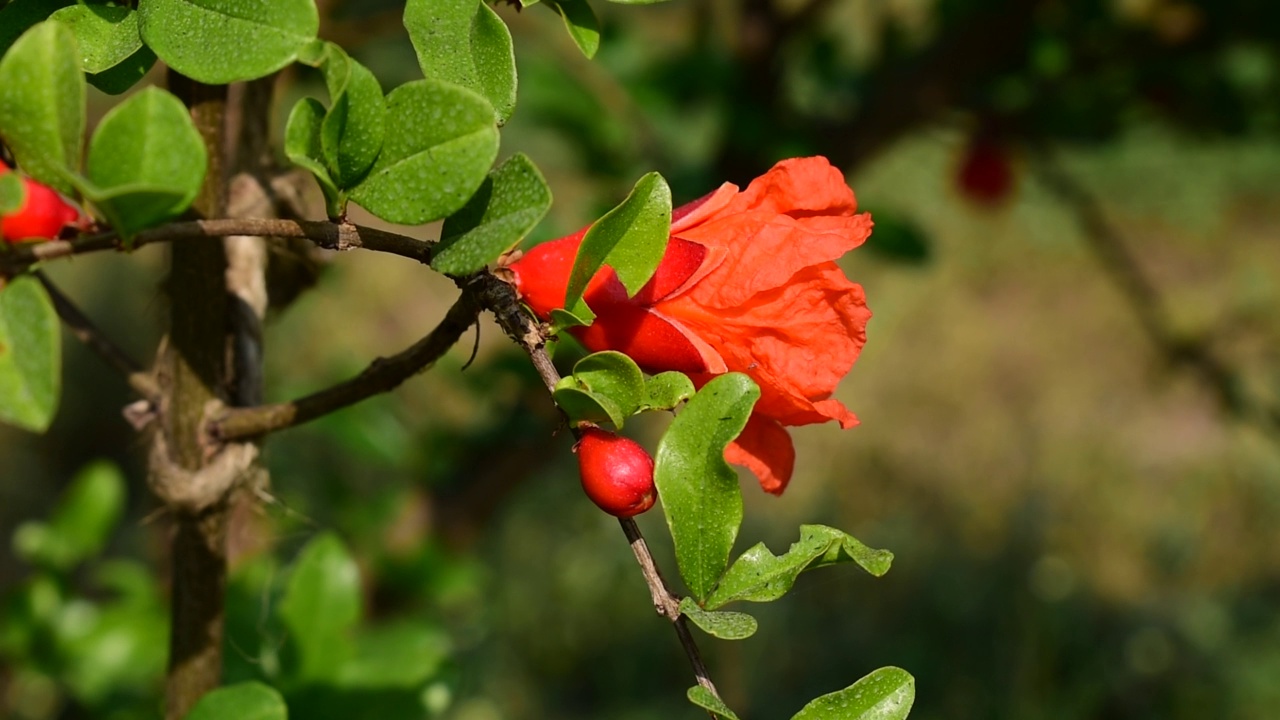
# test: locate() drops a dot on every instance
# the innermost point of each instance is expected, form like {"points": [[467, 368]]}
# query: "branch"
{"points": [[86, 332], [500, 297], [328, 235], [382, 375]]}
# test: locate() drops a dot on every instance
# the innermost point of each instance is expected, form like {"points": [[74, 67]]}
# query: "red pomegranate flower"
{"points": [[748, 284]]}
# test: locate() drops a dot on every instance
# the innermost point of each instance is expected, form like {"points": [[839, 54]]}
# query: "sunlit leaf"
{"points": [[581, 22], [723, 625], [243, 701], [703, 698], [107, 34], [631, 238], [30, 355], [465, 42], [666, 390], [508, 204], [42, 104], [884, 694]]}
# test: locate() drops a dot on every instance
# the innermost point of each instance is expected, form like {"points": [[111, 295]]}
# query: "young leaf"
{"points": [[107, 34], [666, 390], [884, 694], [352, 131], [509, 203], [229, 40], [760, 576], [30, 355], [703, 698], [302, 147], [80, 525], [146, 161], [321, 606], [699, 490], [42, 104], [631, 238], [581, 22], [443, 144], [584, 405], [613, 375], [242, 701], [563, 319], [724, 625], [465, 42]]}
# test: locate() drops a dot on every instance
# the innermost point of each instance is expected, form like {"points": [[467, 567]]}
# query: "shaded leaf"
{"points": [[303, 148], [899, 239], [353, 129], [30, 355], [583, 405], [42, 104], [760, 576], [724, 625], [703, 698], [403, 655], [82, 522], [884, 694], [464, 42], [21, 15], [581, 22], [699, 490], [243, 701], [613, 375], [631, 238], [124, 75], [508, 204], [321, 606]]}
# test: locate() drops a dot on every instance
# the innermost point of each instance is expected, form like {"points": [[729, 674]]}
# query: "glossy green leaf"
{"points": [[443, 143], [613, 375], [699, 490], [146, 162], [242, 701], [353, 129], [302, 146], [583, 405], [224, 41], [760, 576], [403, 655], [321, 606], [884, 694], [124, 75], [509, 203], [666, 390], [581, 22], [723, 625], [464, 42], [107, 34], [13, 193], [564, 319], [42, 104], [21, 15], [631, 238], [80, 525], [703, 698], [30, 355]]}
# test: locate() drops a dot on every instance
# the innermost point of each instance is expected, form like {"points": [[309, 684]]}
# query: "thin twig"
{"points": [[382, 375], [86, 332], [328, 235]]}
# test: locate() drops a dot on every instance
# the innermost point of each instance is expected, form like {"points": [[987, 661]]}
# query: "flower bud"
{"points": [[617, 474], [42, 216]]}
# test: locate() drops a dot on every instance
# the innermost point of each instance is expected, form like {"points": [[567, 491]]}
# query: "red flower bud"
{"points": [[42, 216], [617, 474]]}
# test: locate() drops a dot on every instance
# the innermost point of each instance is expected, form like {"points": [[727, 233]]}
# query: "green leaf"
{"points": [[146, 162], [464, 42], [20, 15], [42, 105], [699, 490], [242, 701], [724, 625], [82, 522], [224, 41], [703, 698], [760, 576], [402, 655], [581, 22], [302, 146], [637, 2], [443, 143], [13, 193], [126, 74], [666, 390], [352, 131], [509, 203], [107, 34], [583, 405], [564, 319], [899, 238], [321, 606], [885, 694], [612, 375], [30, 355], [631, 238]]}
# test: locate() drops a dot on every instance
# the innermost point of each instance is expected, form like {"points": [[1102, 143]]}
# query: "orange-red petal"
{"points": [[764, 448]]}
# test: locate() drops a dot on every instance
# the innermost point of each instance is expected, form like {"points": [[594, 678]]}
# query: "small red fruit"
{"points": [[617, 474], [42, 216], [986, 172]]}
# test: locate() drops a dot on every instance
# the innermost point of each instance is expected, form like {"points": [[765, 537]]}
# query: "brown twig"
{"points": [[328, 235], [500, 297], [142, 382], [382, 375]]}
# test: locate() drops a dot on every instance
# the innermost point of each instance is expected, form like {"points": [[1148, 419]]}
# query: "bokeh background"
{"points": [[1070, 436]]}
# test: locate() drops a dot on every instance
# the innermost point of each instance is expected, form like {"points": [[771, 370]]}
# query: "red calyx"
{"points": [[617, 474], [42, 216]]}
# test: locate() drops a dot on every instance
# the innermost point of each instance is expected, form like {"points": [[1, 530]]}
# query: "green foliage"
{"points": [[13, 193], [18, 16], [604, 386], [581, 22], [352, 132], [723, 625], [464, 42], [146, 162], [760, 576], [703, 698], [666, 390], [226, 41], [321, 606], [699, 490], [631, 238], [507, 205], [243, 701], [107, 34], [443, 144], [898, 238], [80, 525], [304, 148], [885, 694], [30, 355], [42, 105], [126, 74]]}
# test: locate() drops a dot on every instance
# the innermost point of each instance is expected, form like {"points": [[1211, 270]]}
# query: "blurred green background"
{"points": [[1084, 507]]}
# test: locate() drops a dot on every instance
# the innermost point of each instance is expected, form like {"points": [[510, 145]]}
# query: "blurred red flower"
{"points": [[748, 284]]}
